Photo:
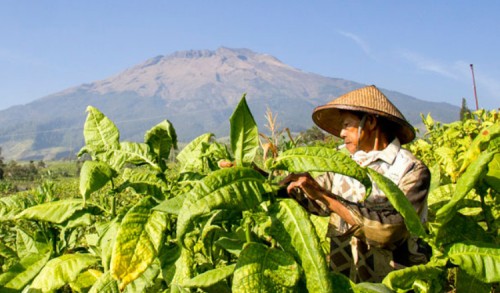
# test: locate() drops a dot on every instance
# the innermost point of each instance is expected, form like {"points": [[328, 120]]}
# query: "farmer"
{"points": [[368, 239]]}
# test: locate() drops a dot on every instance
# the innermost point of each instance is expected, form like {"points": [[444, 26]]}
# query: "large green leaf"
{"points": [[143, 182], [183, 271], [399, 202], [138, 242], [321, 226], [322, 159], [82, 218], [105, 284], [244, 134], [21, 274], [404, 279], [93, 176], [54, 212], [129, 152], [480, 260], [26, 244], [460, 229], [62, 270], [85, 280], [493, 175], [161, 139], [263, 269], [466, 283], [172, 205], [233, 188], [233, 246], [190, 157], [145, 280], [210, 277], [10, 206], [107, 236], [292, 228], [99, 132], [465, 183]]}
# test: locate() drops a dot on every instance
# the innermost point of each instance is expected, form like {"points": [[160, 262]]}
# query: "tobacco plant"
{"points": [[216, 221]]}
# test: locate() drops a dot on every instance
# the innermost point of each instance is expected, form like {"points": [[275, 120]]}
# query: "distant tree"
{"points": [[32, 170], [2, 165], [312, 134], [16, 171], [465, 112]]}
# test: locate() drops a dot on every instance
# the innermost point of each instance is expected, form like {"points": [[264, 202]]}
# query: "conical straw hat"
{"points": [[368, 99]]}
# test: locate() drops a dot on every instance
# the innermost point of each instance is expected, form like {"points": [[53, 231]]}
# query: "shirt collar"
{"points": [[388, 154]]}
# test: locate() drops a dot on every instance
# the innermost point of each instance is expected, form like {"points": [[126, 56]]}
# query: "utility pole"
{"points": [[474, 83]]}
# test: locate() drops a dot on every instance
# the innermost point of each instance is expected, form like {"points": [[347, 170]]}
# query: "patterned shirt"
{"points": [[381, 242]]}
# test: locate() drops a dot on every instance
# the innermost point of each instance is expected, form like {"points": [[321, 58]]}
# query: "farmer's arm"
{"points": [[379, 227], [315, 193]]}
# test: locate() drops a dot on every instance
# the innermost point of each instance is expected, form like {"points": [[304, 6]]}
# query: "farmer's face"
{"points": [[349, 132]]}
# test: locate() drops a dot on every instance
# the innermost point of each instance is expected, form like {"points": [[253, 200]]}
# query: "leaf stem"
{"points": [[488, 218], [113, 199], [248, 234]]}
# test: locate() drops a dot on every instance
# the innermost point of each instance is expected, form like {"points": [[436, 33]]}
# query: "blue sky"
{"points": [[420, 48]]}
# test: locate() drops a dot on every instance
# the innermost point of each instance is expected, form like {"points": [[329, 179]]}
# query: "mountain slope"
{"points": [[196, 90]]}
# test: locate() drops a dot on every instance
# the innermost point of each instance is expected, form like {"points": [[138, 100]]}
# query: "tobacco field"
{"points": [[211, 217]]}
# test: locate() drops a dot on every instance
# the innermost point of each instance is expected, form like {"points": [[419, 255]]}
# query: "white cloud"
{"points": [[359, 41], [428, 64]]}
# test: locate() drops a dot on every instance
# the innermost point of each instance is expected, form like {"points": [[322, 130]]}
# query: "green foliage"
{"points": [[62, 270], [94, 175], [291, 227], [244, 134], [480, 260], [459, 237], [308, 159], [405, 279], [232, 189], [263, 269], [454, 146], [54, 212], [212, 222], [210, 278], [23, 272], [137, 242]]}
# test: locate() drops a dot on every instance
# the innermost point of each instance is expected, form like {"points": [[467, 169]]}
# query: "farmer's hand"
{"points": [[304, 182]]}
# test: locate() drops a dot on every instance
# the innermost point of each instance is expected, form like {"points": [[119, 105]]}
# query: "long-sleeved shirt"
{"points": [[381, 242]]}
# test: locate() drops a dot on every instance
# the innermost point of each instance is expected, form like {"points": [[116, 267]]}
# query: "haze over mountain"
{"points": [[196, 90]]}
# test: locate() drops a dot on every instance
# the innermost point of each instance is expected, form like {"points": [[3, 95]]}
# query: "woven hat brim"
{"points": [[328, 118]]}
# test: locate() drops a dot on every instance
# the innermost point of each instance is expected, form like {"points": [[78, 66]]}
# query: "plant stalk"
{"points": [[248, 234]]}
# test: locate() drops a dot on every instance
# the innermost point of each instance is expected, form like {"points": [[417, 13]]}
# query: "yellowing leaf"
{"points": [[138, 241], [62, 270]]}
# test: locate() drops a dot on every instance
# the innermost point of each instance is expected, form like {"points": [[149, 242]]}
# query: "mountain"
{"points": [[196, 90]]}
